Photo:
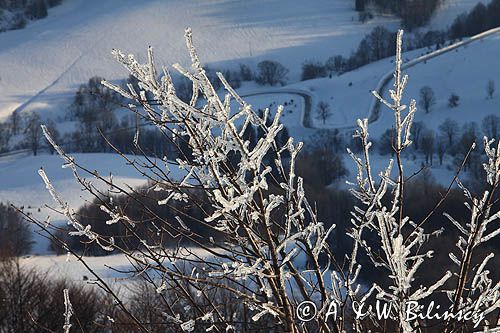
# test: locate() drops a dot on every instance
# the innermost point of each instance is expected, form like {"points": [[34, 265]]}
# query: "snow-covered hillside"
{"points": [[448, 10], [21, 185], [464, 71], [42, 64]]}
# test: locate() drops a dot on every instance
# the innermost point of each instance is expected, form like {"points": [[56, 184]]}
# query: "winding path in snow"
{"points": [[374, 111], [306, 95]]}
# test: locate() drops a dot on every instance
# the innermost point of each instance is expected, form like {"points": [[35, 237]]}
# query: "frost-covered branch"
{"points": [[68, 311], [248, 194], [237, 229], [399, 238]]}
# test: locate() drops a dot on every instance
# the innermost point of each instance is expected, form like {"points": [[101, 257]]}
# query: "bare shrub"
{"points": [[32, 301], [15, 232], [271, 72]]}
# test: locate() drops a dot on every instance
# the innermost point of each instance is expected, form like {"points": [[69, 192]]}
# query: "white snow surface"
{"points": [[449, 10], [464, 72], [43, 64], [21, 185]]}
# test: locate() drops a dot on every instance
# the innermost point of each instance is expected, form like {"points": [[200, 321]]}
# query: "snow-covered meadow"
{"points": [[44, 63]]}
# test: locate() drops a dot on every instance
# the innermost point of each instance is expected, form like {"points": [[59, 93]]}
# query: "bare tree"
{"points": [[15, 233], [330, 66], [453, 101], [428, 145], [449, 128], [417, 129], [271, 72], [360, 5], [427, 98], [246, 72], [33, 132], [336, 63], [312, 69], [490, 88], [4, 137], [441, 148], [15, 122], [491, 126], [32, 301], [326, 165], [326, 139], [324, 112]]}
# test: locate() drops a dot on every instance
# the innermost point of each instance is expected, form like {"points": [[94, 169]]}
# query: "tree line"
{"points": [[23, 11], [378, 43]]}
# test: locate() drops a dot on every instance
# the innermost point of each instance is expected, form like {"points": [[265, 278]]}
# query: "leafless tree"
{"points": [[15, 233], [453, 101], [313, 69], [32, 301], [491, 126], [324, 112], [428, 145], [271, 72], [360, 5], [5, 137], [427, 98], [33, 132], [449, 128], [335, 64], [15, 122], [417, 129], [441, 148], [490, 88]]}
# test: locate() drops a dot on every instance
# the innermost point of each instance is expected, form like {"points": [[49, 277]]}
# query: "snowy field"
{"points": [[44, 63], [112, 268], [464, 72], [21, 185], [449, 10], [74, 43]]}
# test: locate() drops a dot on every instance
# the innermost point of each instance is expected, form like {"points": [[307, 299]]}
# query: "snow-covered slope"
{"points": [[449, 10], [21, 185], [44, 63], [464, 72]]}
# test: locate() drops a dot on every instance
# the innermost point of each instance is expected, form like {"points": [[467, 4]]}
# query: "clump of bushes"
{"points": [[15, 232]]}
